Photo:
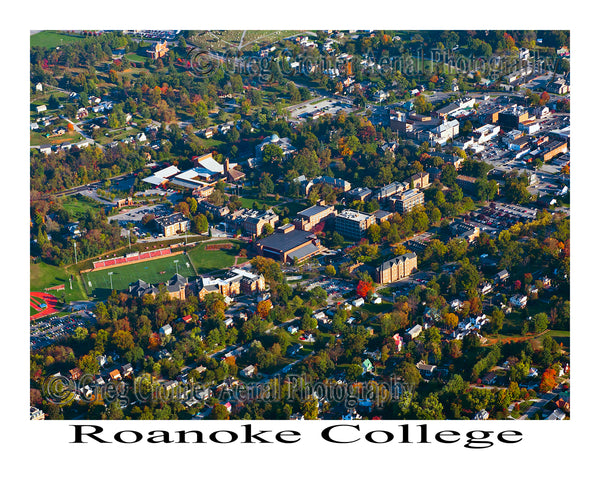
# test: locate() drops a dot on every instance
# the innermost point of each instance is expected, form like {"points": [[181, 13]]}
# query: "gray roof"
{"points": [[286, 241], [314, 210], [305, 251], [176, 282]]}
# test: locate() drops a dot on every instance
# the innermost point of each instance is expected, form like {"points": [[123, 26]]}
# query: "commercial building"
{"points": [[396, 268], [287, 244], [353, 224], [512, 118], [445, 132], [172, 224]]}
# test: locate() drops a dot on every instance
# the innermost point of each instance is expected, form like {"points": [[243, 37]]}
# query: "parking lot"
{"points": [[307, 110], [48, 331], [500, 216], [334, 288], [135, 216]]}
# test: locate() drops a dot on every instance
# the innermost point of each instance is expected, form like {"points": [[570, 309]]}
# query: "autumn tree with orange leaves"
{"points": [[263, 308], [364, 288], [548, 380]]}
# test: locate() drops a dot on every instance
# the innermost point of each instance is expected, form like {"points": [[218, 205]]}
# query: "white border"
{"points": [[558, 449]]}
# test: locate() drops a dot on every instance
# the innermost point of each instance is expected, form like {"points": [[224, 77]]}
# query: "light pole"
{"points": [[110, 274], [75, 247]]}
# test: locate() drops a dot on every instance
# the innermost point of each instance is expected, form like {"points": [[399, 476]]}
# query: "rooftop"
{"points": [[354, 215], [286, 241]]}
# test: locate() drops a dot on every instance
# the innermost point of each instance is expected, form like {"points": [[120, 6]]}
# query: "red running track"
{"points": [[49, 300]]}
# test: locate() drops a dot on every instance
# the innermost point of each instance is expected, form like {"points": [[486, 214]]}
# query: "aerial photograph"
{"points": [[299, 225]]}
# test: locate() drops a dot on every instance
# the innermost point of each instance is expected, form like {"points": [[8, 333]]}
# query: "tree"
{"points": [[330, 270], [364, 288], [430, 408], [374, 233], [540, 322], [122, 340], [200, 223], [409, 373], [354, 372], [310, 408], [263, 308], [451, 320], [266, 185], [219, 412], [548, 381]]}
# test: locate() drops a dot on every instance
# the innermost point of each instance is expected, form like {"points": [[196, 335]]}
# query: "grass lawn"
{"points": [[134, 57], [250, 195], [43, 276], [210, 142], [561, 336], [32, 311], [210, 260], [36, 138], [376, 309], [294, 208], [52, 39], [78, 205], [147, 271]]}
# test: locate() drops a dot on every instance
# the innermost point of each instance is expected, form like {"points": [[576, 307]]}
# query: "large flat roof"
{"points": [[286, 241], [314, 210]]}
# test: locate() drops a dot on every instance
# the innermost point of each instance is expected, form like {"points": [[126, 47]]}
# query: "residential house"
{"points": [[481, 415], [501, 276], [413, 332], [165, 330], [249, 371], [127, 370], [398, 341], [425, 370], [518, 301]]}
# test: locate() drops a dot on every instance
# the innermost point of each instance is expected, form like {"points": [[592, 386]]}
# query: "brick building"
{"points": [[396, 268], [307, 219], [158, 50]]}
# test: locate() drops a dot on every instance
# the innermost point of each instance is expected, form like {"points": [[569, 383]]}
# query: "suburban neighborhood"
{"points": [[305, 212]]}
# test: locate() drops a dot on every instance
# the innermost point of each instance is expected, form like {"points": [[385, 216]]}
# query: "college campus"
{"points": [[368, 211]]}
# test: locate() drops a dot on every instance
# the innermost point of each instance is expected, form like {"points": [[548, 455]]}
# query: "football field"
{"points": [[152, 271]]}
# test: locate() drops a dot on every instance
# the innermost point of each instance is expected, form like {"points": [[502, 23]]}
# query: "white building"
{"points": [[166, 330]]}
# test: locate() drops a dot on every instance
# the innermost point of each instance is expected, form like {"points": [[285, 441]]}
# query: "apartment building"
{"points": [[396, 268]]}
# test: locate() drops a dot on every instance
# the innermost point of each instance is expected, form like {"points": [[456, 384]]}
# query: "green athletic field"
{"points": [[148, 271]]}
